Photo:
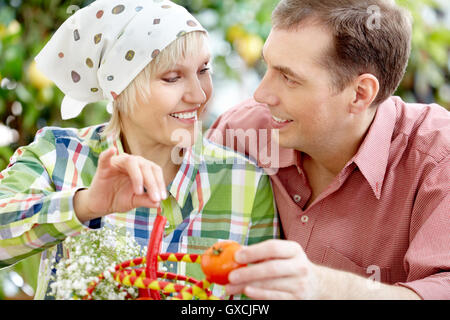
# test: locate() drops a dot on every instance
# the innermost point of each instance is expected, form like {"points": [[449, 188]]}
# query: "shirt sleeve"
{"points": [[33, 215], [427, 260], [264, 219]]}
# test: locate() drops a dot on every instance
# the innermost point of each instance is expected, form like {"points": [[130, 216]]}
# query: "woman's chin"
{"points": [[183, 137]]}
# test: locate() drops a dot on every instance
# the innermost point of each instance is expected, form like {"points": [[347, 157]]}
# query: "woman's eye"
{"points": [[171, 79], [204, 70]]}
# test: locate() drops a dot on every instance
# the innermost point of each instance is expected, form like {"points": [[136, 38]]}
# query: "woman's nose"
{"points": [[195, 92]]}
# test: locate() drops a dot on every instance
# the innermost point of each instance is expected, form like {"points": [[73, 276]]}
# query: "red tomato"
{"points": [[218, 261]]}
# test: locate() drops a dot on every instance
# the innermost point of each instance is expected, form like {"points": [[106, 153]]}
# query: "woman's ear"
{"points": [[366, 88]]}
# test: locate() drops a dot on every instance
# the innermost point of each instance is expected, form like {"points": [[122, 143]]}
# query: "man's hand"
{"points": [[280, 271]]}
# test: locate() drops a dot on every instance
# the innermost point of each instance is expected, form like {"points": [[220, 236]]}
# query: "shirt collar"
{"points": [[111, 141], [373, 154], [184, 179], [286, 157]]}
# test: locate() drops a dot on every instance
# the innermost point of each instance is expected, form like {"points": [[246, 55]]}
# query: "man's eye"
{"points": [[289, 80], [204, 70]]}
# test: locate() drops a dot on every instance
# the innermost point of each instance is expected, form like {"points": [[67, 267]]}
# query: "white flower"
{"points": [[7, 135], [92, 253]]}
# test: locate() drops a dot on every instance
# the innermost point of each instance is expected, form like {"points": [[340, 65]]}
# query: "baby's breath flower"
{"points": [[91, 253]]}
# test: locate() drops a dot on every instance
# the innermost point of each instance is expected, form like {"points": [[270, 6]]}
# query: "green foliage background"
{"points": [[25, 26]]}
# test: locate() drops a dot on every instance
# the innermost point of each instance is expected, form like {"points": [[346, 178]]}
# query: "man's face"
{"points": [[298, 89]]}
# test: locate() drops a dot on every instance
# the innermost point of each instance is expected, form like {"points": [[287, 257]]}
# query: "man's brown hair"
{"points": [[370, 36]]}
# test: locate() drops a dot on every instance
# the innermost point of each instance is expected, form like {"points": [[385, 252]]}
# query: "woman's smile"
{"points": [[187, 117]]}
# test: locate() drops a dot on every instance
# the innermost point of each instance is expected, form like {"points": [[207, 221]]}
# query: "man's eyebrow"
{"points": [[286, 70]]}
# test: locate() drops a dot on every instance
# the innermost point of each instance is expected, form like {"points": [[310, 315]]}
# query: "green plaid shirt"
{"points": [[216, 194]]}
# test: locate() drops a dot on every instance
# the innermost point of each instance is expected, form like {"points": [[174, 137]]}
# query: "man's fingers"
{"points": [[271, 269], [270, 249], [235, 288], [291, 285], [260, 291]]}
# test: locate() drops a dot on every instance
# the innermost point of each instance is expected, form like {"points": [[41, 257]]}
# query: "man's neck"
{"points": [[322, 164], [336, 152], [332, 159]]}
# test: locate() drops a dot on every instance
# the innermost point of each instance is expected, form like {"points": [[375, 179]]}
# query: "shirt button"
{"points": [[297, 198], [304, 219]]}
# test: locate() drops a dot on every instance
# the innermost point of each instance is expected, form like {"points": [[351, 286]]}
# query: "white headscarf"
{"points": [[98, 51]]}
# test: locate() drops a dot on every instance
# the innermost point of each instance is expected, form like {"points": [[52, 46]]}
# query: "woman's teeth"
{"points": [[185, 115], [280, 120]]}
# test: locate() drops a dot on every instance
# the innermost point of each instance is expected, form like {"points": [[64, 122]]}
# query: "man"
{"points": [[362, 182]]}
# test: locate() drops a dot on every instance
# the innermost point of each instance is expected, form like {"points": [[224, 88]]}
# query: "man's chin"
{"points": [[283, 140]]}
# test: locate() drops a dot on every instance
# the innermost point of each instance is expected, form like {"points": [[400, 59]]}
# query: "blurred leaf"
{"points": [[427, 74], [30, 118], [12, 61], [23, 94], [27, 269], [7, 15], [5, 154]]}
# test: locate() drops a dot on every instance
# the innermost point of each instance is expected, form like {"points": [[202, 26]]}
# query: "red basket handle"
{"points": [[154, 247]]}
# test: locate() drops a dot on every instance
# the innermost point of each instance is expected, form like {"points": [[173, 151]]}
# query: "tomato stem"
{"points": [[217, 251]]}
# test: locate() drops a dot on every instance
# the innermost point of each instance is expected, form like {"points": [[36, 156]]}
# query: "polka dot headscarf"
{"points": [[99, 50]]}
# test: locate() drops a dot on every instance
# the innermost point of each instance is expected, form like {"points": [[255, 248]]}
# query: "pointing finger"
{"points": [[105, 157]]}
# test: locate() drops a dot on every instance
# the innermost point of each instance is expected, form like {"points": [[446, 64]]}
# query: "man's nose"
{"points": [[265, 92]]}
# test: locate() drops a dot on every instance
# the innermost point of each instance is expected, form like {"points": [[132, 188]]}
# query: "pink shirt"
{"points": [[386, 216]]}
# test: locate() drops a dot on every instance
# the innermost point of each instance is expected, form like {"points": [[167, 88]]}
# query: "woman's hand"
{"points": [[118, 186]]}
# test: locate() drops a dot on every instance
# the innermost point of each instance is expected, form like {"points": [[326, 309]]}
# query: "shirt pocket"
{"points": [[336, 260]]}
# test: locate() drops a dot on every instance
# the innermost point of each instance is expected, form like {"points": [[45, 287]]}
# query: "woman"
{"points": [[151, 60]]}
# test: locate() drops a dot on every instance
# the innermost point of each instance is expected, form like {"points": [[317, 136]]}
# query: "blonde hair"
{"points": [[185, 45]]}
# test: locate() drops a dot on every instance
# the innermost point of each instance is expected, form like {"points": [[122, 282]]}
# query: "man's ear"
{"points": [[365, 90]]}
